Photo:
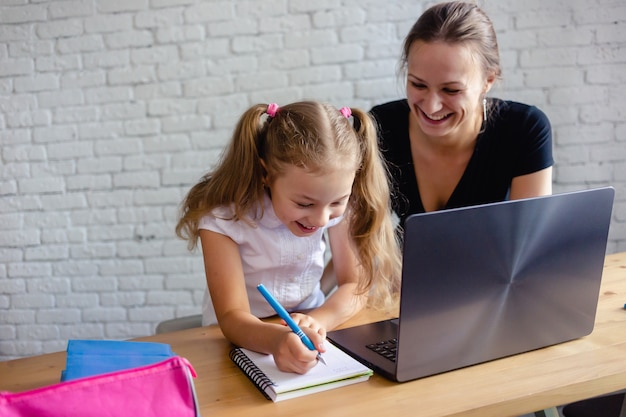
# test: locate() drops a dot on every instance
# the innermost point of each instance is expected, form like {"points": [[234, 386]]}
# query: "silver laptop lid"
{"points": [[484, 282]]}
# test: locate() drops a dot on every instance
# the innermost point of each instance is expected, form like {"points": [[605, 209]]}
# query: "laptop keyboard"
{"points": [[386, 349]]}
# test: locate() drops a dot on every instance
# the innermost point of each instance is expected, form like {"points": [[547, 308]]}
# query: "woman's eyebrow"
{"points": [[447, 83]]}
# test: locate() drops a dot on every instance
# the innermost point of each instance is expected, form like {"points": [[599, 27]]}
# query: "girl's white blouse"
{"points": [[289, 266]]}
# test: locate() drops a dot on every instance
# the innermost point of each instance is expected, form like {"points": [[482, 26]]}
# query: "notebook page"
{"points": [[339, 365]]}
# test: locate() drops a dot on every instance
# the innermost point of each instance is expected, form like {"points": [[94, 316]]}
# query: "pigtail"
{"points": [[239, 178], [371, 223], [237, 181]]}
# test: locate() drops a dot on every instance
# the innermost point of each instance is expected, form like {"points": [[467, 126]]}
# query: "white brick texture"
{"points": [[111, 109]]}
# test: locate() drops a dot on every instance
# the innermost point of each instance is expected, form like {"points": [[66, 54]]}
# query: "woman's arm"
{"points": [[226, 283], [532, 185]]}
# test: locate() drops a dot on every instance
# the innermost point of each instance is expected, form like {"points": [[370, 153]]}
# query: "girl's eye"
{"points": [[418, 85], [304, 205], [451, 91]]}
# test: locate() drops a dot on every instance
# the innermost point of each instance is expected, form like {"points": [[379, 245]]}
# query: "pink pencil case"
{"points": [[161, 389]]}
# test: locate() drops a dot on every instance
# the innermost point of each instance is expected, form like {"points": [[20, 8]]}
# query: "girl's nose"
{"points": [[319, 218]]}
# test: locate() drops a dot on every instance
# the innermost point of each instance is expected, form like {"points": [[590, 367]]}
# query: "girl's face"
{"points": [[306, 201], [445, 87]]}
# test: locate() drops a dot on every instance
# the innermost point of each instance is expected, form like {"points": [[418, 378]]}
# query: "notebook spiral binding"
{"points": [[258, 378]]}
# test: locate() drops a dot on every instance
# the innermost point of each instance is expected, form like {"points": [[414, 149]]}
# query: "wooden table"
{"points": [[520, 384]]}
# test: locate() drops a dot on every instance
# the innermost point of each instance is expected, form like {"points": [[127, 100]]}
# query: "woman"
{"points": [[447, 144]]}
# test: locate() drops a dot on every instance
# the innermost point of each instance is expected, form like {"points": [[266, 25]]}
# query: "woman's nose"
{"points": [[431, 103]]}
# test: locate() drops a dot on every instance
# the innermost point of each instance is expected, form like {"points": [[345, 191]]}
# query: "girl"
{"points": [[289, 175]]}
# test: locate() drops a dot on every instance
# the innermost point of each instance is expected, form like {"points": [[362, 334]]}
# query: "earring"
{"points": [[485, 109]]}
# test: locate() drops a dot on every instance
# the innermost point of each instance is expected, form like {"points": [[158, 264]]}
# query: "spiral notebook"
{"points": [[340, 370]]}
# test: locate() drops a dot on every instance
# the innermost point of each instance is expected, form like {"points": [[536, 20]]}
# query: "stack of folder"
{"points": [[94, 357]]}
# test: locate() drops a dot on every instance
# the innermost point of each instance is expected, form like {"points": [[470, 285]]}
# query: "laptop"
{"points": [[484, 282]]}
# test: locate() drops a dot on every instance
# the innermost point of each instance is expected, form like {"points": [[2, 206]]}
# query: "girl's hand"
{"points": [[291, 355], [312, 328]]}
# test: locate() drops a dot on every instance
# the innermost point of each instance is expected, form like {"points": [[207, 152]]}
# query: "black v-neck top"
{"points": [[516, 140]]}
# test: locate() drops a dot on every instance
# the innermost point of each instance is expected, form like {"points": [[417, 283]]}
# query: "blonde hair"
{"points": [[316, 137]]}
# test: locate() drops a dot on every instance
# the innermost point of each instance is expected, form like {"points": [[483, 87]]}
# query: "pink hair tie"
{"points": [[272, 109], [346, 112]]}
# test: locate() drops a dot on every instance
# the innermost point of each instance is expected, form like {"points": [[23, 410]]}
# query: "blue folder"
{"points": [[94, 357]]}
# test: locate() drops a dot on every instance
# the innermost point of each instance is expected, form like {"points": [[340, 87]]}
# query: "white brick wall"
{"points": [[111, 109]]}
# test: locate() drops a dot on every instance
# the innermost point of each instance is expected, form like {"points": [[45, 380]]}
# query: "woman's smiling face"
{"points": [[445, 87]]}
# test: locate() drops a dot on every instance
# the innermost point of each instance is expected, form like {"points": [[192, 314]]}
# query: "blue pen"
{"points": [[282, 313]]}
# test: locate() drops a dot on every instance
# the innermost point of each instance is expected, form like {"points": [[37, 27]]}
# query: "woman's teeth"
{"points": [[435, 118]]}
